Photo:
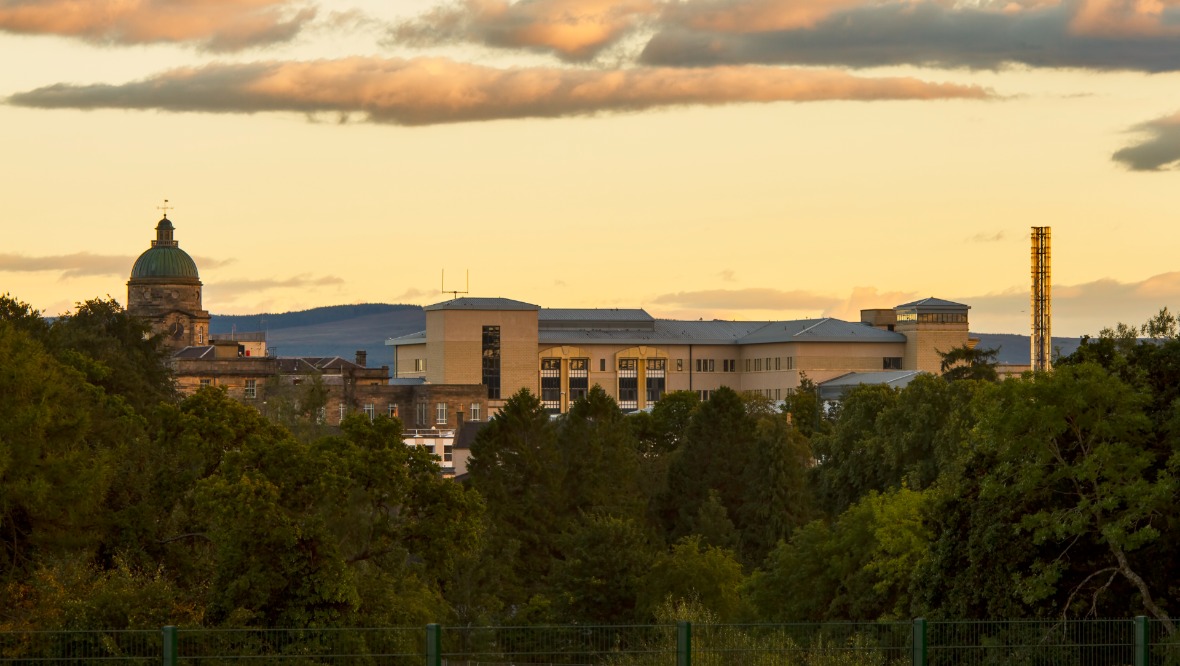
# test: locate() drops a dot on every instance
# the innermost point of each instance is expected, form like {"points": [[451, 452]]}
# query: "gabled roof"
{"points": [[819, 330], [466, 303], [663, 331], [933, 302]]}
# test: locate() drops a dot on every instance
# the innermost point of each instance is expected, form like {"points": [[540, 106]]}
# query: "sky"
{"points": [[733, 159]]}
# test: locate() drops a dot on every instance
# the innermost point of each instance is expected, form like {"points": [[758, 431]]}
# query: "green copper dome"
{"points": [[164, 259]]}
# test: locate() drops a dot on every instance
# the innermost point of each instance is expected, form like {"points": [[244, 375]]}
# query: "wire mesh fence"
{"points": [[1031, 643], [396, 646], [80, 647], [1127, 642], [559, 645]]}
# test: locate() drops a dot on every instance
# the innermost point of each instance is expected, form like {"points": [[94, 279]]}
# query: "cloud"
{"points": [[1079, 309], [428, 91], [572, 29], [1159, 151], [413, 294], [727, 275], [229, 289], [79, 264], [755, 298], [1091, 34], [214, 25], [984, 237]]}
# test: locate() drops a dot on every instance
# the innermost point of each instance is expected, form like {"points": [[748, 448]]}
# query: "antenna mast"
{"points": [[1042, 300], [455, 292]]}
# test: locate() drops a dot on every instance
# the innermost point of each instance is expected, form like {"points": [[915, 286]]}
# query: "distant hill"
{"points": [[337, 330], [340, 330], [1017, 349]]}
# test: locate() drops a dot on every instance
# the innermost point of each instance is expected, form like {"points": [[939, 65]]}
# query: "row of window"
{"points": [[441, 415]]}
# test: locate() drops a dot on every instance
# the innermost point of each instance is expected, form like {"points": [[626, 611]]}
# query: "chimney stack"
{"points": [[361, 357]]}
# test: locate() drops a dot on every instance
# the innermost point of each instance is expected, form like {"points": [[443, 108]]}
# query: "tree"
{"points": [[857, 568], [966, 362], [697, 573], [1079, 440], [599, 459], [602, 565], [515, 466], [714, 454]]}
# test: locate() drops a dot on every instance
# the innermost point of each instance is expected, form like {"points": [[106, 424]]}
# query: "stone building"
{"points": [[165, 290]]}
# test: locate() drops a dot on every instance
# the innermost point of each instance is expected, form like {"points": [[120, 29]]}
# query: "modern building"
{"points": [[506, 345]]}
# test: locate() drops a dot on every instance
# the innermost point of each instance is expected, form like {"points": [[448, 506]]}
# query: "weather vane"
{"points": [[165, 208]]}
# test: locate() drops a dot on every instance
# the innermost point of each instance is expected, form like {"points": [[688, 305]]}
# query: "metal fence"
{"points": [[1133, 642]]}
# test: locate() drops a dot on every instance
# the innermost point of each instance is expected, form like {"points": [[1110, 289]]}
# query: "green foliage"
{"points": [[695, 573], [966, 362], [603, 564], [857, 568]]}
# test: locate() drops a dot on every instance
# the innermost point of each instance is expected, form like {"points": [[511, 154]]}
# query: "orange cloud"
{"points": [[737, 16], [428, 91], [217, 25], [1125, 18], [573, 29]]}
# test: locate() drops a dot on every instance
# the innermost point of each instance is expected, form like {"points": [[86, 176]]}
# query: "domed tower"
{"points": [[165, 290]]}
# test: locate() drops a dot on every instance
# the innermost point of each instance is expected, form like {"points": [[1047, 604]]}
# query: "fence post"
{"points": [[919, 656], [1142, 647], [683, 643], [433, 645], [169, 655]]}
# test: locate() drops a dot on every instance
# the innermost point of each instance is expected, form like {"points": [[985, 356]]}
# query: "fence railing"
{"points": [[1133, 642]]}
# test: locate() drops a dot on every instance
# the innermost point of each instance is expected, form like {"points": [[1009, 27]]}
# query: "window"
{"points": [[778, 362], [440, 413], [392, 411], [705, 365], [757, 365], [491, 361], [341, 417], [679, 365], [251, 388], [321, 415], [448, 452], [891, 363], [422, 410], [602, 365], [628, 383], [551, 384], [778, 394], [729, 365], [370, 411], [475, 411], [748, 363], [704, 395], [655, 380], [200, 335], [419, 365], [579, 378], [206, 382], [790, 363]]}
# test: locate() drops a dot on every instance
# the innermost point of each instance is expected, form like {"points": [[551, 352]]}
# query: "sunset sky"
{"points": [[737, 159]]}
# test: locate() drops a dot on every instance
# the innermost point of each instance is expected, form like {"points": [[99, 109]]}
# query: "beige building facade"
{"points": [[558, 354]]}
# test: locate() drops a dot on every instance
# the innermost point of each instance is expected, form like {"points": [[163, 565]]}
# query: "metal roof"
{"points": [[834, 389], [408, 339], [595, 315], [935, 303], [819, 330], [466, 303]]}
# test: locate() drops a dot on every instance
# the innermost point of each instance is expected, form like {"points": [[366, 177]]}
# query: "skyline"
{"points": [[733, 159]]}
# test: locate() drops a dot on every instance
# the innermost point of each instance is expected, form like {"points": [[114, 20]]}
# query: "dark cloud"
{"points": [[428, 91], [214, 25], [79, 264], [1091, 34], [1160, 151]]}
